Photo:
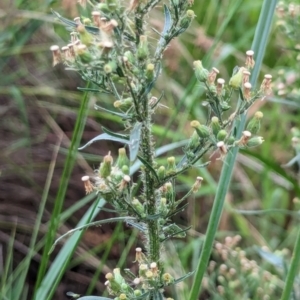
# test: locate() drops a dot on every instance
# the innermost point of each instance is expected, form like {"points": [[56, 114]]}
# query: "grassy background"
{"points": [[39, 107]]}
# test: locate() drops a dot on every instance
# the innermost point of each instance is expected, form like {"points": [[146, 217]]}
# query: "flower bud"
{"points": [[194, 141], [222, 134], [236, 80], [123, 297], [118, 277], [186, 21], [85, 37], [113, 285], [161, 172], [171, 164], [202, 130], [254, 124], [255, 141], [137, 293], [143, 269], [167, 278], [163, 207], [150, 72], [200, 73], [124, 104], [110, 67], [230, 140], [106, 166], [125, 170], [138, 206], [215, 125], [143, 51], [122, 160], [83, 54]]}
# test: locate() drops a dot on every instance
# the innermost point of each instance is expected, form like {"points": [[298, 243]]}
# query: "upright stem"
{"points": [[149, 188]]}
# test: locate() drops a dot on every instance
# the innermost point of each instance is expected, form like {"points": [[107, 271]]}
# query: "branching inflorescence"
{"points": [[112, 51]]}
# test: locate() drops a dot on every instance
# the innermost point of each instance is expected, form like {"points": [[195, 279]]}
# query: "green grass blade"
{"points": [[293, 271], [59, 200], [60, 264], [259, 46]]}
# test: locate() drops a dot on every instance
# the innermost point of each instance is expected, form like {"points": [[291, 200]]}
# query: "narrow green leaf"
{"points": [[107, 137], [149, 167], [114, 134]]}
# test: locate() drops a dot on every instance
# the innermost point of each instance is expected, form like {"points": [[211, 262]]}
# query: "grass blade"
{"points": [[59, 200], [259, 46]]}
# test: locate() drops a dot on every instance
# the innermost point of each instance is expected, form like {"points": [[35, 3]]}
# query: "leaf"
{"points": [[294, 160], [183, 277], [174, 231], [124, 116], [135, 139], [168, 20], [105, 136], [117, 135], [275, 260], [90, 29], [149, 167]]}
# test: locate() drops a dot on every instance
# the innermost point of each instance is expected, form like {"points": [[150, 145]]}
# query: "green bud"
{"points": [[163, 207], [236, 80], [150, 71], [169, 191], [114, 286], [215, 125], [143, 269], [138, 206], [161, 172], [200, 73], [123, 297], [255, 141], [222, 134], [167, 278], [202, 130], [124, 104], [110, 67], [194, 141], [87, 21], [137, 293], [125, 170], [122, 160], [118, 277], [83, 53], [143, 51], [186, 21], [85, 37], [171, 164], [106, 166], [231, 140], [254, 124]]}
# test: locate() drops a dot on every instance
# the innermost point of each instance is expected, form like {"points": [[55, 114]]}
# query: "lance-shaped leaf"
{"points": [[105, 136]]}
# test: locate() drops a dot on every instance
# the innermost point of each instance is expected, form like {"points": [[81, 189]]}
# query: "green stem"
{"points": [[149, 188], [259, 46], [293, 271]]}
